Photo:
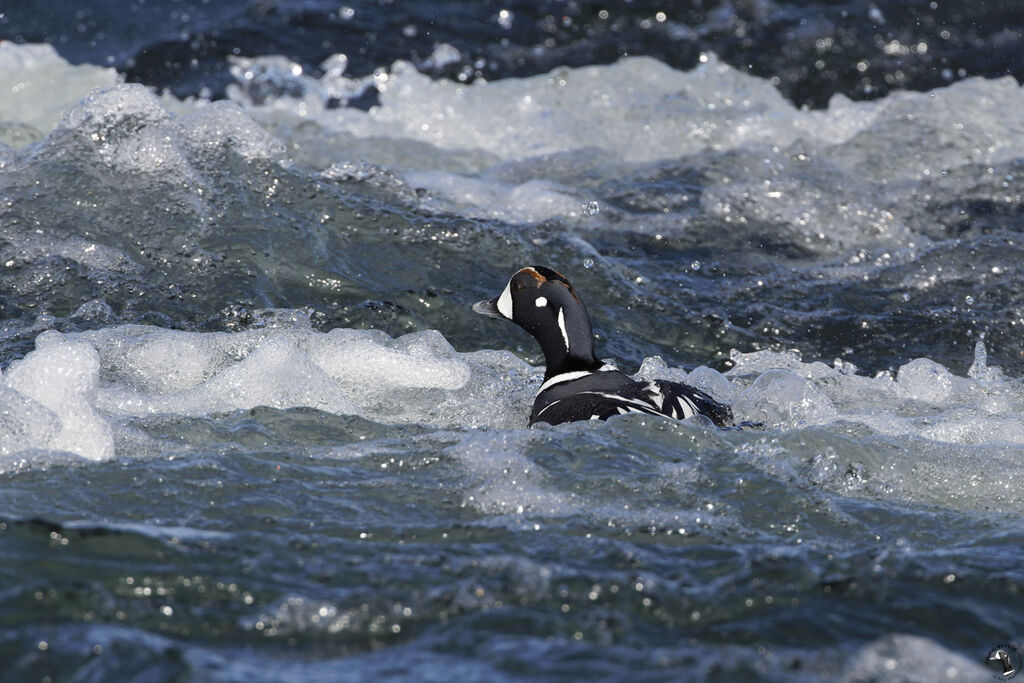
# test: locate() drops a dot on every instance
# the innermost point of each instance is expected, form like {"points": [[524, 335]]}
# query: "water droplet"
{"points": [[695, 265], [591, 208], [588, 263], [969, 300]]}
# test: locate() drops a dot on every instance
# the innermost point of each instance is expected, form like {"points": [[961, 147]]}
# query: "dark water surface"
{"points": [[810, 49]]}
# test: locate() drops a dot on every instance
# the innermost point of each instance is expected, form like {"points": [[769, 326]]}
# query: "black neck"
{"points": [[563, 363], [579, 355]]}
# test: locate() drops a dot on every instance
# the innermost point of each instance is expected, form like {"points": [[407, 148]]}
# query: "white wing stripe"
{"points": [[688, 406], [657, 398], [678, 407], [553, 403], [634, 404]]}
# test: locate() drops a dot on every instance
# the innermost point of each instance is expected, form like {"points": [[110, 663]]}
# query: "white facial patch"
{"points": [[505, 301], [540, 302], [561, 326]]}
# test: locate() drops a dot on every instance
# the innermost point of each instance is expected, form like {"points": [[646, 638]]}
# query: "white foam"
{"points": [[25, 424], [925, 380], [61, 377], [272, 372], [712, 382], [637, 107], [913, 659], [780, 398], [421, 360], [927, 435], [523, 150], [529, 201], [924, 399], [194, 374], [38, 87], [129, 129], [55, 400]]}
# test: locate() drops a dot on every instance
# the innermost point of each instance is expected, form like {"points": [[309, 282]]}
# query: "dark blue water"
{"points": [[810, 50], [250, 428]]}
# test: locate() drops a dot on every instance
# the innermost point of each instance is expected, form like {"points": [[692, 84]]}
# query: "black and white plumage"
{"points": [[577, 386]]}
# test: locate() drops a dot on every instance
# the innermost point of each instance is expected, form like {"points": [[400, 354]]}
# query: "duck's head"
{"points": [[542, 302]]}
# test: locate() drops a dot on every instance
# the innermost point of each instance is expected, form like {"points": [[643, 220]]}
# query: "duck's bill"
{"points": [[489, 307]]}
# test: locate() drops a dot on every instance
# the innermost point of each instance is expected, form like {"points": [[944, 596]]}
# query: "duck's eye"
{"points": [[517, 286]]}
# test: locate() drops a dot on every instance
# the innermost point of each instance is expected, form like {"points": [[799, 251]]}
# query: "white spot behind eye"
{"points": [[540, 302]]}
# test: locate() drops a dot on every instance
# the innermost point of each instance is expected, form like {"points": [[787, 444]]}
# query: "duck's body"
{"points": [[576, 385], [605, 392]]}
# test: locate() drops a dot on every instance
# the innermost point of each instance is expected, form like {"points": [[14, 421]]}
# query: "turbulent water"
{"points": [[250, 428]]}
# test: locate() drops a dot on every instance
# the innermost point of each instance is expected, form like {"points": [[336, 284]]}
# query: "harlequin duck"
{"points": [[577, 386]]}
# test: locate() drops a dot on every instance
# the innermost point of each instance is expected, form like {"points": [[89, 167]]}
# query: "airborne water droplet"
{"points": [[591, 208], [695, 265], [588, 263]]}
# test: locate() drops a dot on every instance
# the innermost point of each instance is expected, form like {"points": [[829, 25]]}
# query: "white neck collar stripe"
{"points": [[570, 376]]}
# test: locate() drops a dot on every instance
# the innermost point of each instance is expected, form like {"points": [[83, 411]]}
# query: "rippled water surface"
{"points": [[250, 428]]}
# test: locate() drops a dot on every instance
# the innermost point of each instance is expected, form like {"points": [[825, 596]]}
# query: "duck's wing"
{"points": [[601, 395]]}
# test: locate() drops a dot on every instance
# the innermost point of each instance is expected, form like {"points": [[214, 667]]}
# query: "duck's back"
{"points": [[601, 394]]}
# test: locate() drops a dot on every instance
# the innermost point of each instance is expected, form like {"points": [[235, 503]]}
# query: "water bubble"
{"points": [[505, 18], [695, 265], [969, 300], [588, 263], [591, 208]]}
